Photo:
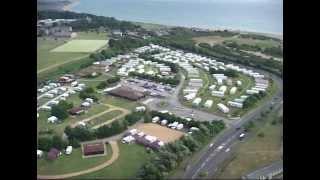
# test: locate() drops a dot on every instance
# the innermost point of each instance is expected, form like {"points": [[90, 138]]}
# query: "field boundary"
{"points": [[114, 157]]}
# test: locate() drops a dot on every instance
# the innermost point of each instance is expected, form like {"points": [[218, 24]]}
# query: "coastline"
{"points": [[278, 35]]}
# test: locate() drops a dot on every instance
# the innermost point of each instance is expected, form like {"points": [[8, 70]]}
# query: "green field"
{"points": [[256, 151], [131, 158], [81, 46], [92, 35], [45, 58], [104, 118], [70, 163], [120, 102]]}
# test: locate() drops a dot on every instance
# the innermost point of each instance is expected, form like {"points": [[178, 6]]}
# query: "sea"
{"points": [[264, 16]]}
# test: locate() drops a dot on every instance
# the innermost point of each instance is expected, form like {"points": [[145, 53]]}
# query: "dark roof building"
{"points": [[53, 154], [128, 93], [76, 111], [93, 148]]}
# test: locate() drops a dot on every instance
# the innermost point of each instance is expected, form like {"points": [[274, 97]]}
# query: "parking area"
{"points": [[152, 88]]}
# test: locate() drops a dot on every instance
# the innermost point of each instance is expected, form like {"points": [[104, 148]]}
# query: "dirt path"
{"points": [[114, 157], [59, 64], [111, 108]]}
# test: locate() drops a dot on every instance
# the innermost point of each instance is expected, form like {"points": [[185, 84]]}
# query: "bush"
{"points": [[59, 112], [261, 134], [102, 85]]}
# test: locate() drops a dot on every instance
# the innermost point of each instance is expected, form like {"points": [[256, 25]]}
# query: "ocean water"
{"points": [[248, 15]]}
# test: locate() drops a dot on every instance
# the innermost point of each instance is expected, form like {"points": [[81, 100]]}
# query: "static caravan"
{"points": [[164, 122], [190, 96], [235, 104], [223, 89], [239, 100], [197, 101], [52, 119], [45, 108], [239, 83], [250, 91], [223, 108], [69, 150], [217, 93], [259, 89], [179, 126], [187, 91], [212, 87], [208, 103], [48, 95], [233, 90], [155, 119]]}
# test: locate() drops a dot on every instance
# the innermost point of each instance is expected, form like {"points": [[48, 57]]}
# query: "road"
{"points": [[174, 106], [211, 158]]}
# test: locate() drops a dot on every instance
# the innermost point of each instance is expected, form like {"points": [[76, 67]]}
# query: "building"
{"points": [[208, 103], [39, 153], [52, 119], [217, 93], [197, 101], [190, 96], [53, 154], [69, 150], [223, 108], [127, 92], [223, 89], [235, 104], [76, 111], [233, 90], [93, 148]]}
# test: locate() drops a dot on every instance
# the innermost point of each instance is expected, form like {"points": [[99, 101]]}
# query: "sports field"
{"points": [[163, 133], [84, 46]]}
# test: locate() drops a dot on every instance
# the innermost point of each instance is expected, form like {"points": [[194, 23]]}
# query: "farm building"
{"points": [[197, 101], [53, 154], [223, 108], [217, 93], [76, 111], [128, 93], [235, 104], [93, 148], [208, 103], [233, 90]]}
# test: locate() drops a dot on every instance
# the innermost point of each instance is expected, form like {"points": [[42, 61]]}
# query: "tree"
{"points": [[58, 143], [261, 134], [44, 143], [59, 112]]}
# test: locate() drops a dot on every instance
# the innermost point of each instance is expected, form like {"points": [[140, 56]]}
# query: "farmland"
{"points": [[81, 46]]}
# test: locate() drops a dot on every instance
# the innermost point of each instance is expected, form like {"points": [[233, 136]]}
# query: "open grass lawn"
{"points": [[81, 46], [45, 58], [92, 35], [212, 40], [120, 102], [70, 163], [131, 158], [105, 117], [256, 151]]}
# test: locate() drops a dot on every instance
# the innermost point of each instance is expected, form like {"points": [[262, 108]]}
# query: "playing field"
{"points": [[84, 46], [163, 133]]}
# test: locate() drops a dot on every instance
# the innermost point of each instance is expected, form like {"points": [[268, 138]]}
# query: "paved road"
{"points": [[211, 159], [177, 108]]}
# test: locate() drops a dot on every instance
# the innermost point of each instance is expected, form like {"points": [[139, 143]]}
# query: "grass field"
{"points": [[47, 58], [81, 46], [120, 102], [92, 35], [70, 163], [256, 151], [104, 117], [219, 40], [131, 158]]}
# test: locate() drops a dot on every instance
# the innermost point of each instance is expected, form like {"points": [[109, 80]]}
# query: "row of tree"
{"points": [[227, 72], [251, 100], [108, 82], [162, 162], [46, 143]]}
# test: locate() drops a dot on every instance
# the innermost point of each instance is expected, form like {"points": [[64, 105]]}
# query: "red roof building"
{"points": [[93, 148]]}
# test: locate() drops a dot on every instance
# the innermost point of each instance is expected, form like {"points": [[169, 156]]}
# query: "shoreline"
{"points": [[279, 35]]}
